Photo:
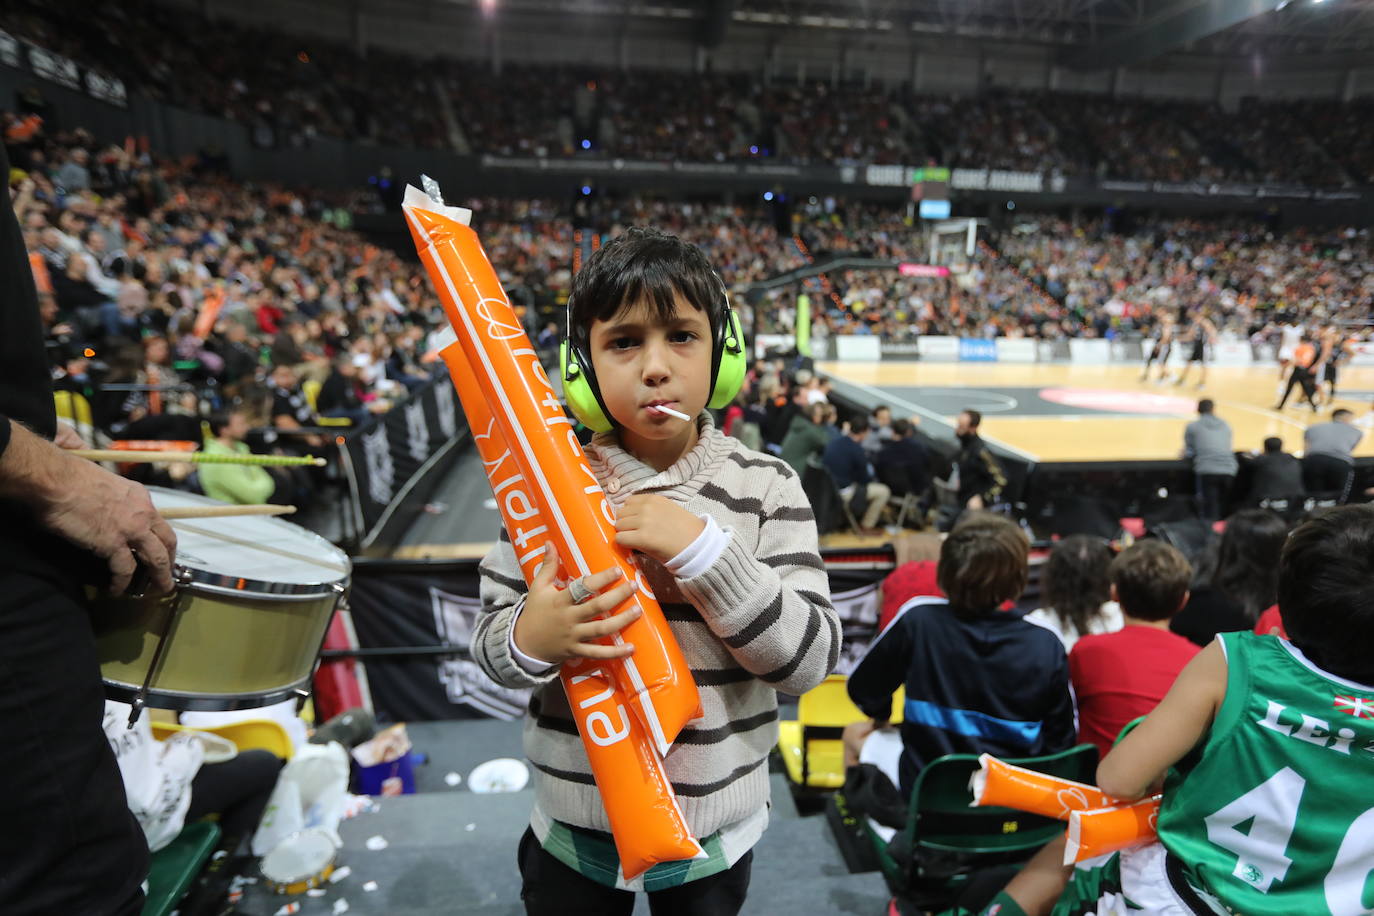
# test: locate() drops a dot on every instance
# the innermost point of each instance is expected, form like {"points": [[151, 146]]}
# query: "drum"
{"points": [[303, 860], [243, 628]]}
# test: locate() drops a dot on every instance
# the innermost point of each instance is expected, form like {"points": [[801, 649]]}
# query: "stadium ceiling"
{"points": [[1099, 34], [1087, 34]]}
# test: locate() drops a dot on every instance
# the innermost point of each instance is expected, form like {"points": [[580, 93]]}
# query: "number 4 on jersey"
{"points": [[1271, 808]]}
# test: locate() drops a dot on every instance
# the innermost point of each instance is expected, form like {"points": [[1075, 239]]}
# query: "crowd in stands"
{"points": [[290, 91], [170, 294]]}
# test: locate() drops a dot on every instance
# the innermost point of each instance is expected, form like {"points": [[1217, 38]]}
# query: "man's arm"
{"points": [[993, 493], [79, 500]]}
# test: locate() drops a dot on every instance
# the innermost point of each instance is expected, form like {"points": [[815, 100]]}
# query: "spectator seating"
{"points": [[175, 866], [945, 840], [810, 746]]}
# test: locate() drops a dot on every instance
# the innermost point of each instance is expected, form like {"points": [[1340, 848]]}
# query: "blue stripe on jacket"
{"points": [[973, 724]]}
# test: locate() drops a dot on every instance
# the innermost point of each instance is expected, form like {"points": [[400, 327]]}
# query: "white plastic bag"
{"points": [[311, 791]]}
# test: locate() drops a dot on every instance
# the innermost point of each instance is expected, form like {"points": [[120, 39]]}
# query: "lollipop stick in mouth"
{"points": [[670, 412]]}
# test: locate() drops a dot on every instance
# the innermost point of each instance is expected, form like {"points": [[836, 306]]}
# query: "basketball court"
{"points": [[1048, 412]]}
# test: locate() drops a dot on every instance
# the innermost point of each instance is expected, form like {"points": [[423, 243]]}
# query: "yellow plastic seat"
{"points": [[248, 735], [311, 389], [811, 747]]}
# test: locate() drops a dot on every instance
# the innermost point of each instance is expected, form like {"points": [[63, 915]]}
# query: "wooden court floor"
{"points": [[1101, 413]]}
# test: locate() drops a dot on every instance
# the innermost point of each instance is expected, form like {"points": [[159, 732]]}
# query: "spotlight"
{"points": [[767, 195], [586, 144], [586, 190], [753, 150]]}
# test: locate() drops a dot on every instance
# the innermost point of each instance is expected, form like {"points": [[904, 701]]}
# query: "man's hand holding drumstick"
{"points": [[102, 512]]}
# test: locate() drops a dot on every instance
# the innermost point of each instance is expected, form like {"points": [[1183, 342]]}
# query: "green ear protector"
{"points": [[728, 365]]}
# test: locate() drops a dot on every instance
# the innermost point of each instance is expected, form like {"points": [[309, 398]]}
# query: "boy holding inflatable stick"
{"points": [[1265, 748], [726, 541]]}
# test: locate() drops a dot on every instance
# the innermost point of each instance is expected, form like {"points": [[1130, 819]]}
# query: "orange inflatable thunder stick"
{"points": [[563, 491], [1098, 822], [645, 819]]}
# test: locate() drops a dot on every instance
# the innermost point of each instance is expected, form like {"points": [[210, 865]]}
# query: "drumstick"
{"points": [[176, 512], [132, 457]]}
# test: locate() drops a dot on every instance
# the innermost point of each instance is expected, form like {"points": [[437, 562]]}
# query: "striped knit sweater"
{"points": [[757, 621]]}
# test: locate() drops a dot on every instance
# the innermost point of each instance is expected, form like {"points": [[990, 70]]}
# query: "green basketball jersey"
{"points": [[1276, 816]]}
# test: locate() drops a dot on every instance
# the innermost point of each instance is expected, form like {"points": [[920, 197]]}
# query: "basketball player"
{"points": [[1201, 334], [1302, 373], [1290, 335], [1335, 348], [1164, 343]]}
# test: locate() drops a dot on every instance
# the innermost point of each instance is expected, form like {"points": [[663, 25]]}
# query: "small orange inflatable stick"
{"points": [[1098, 823]]}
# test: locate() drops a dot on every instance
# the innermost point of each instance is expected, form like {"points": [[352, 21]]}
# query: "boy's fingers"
{"points": [[605, 603], [597, 628], [596, 650], [547, 569], [599, 580]]}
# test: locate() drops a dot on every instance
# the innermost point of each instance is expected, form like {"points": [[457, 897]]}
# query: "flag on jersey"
{"points": [[1359, 707]]}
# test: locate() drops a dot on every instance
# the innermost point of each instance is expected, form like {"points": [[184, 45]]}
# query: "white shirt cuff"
{"points": [[701, 554], [530, 664]]}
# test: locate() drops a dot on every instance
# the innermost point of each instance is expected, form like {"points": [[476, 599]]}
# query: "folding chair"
{"points": [[945, 840], [829, 507], [176, 865]]}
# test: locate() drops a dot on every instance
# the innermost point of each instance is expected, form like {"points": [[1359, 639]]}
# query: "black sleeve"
{"points": [[25, 381], [1060, 733], [882, 670]]}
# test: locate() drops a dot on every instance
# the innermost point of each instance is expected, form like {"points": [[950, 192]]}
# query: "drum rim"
{"points": [[315, 875], [228, 586], [183, 701], [244, 585]]}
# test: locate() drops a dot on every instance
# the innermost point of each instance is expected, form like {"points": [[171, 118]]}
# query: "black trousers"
{"points": [[1303, 377], [68, 843], [237, 790], [1326, 474], [1212, 490], [550, 888]]}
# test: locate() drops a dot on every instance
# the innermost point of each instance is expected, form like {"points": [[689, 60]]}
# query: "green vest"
{"points": [[1276, 816]]}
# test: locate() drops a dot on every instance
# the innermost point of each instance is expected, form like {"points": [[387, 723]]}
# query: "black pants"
{"points": [[237, 790], [550, 888], [1303, 377], [68, 843], [1322, 474], [1212, 490]]}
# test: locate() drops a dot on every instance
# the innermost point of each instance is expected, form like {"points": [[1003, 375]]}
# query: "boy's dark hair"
{"points": [[1206, 405], [875, 410], [900, 428], [1340, 413], [1273, 445], [983, 563], [975, 418], [642, 265], [859, 424], [1151, 578], [1325, 598], [1074, 583]]}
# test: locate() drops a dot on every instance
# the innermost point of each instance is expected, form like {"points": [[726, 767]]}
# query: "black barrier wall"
{"points": [[395, 460]]}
